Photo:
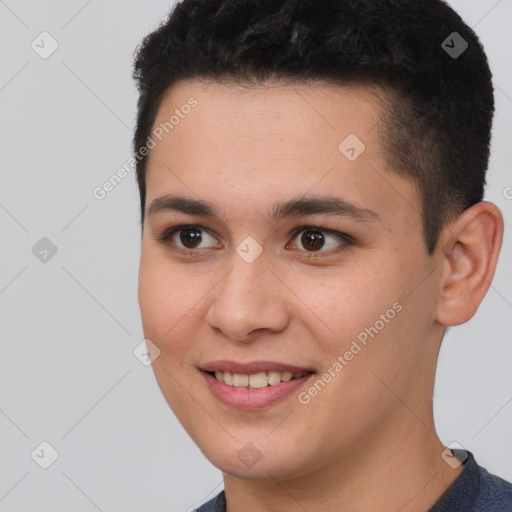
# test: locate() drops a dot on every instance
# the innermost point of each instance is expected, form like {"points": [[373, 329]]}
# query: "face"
{"points": [[294, 249]]}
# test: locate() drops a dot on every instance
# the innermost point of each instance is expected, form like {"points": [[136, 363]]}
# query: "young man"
{"points": [[311, 178]]}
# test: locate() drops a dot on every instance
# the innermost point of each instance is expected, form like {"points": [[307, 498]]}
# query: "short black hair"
{"points": [[437, 118]]}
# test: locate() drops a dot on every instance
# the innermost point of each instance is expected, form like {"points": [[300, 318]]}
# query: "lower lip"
{"points": [[252, 398]]}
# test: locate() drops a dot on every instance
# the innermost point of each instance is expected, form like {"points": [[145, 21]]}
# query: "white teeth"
{"points": [[286, 376], [240, 380], [256, 380], [274, 378]]}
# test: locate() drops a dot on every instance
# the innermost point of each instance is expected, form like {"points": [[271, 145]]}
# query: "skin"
{"points": [[367, 441]]}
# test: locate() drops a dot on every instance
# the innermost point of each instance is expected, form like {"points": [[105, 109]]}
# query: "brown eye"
{"points": [[312, 240], [187, 239], [321, 241], [190, 237]]}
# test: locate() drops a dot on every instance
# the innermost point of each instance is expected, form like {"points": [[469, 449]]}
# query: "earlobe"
{"points": [[469, 252]]}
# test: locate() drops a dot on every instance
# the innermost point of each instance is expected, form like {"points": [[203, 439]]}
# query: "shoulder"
{"points": [[475, 490], [217, 504], [495, 493]]}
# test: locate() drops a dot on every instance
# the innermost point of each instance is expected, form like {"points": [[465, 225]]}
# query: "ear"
{"points": [[469, 251]]}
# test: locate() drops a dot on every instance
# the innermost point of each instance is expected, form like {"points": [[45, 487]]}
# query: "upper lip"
{"points": [[251, 367]]}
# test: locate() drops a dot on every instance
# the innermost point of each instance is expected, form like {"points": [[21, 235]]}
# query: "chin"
{"points": [[262, 462]]}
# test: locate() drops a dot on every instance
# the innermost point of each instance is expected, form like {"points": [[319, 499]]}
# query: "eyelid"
{"points": [[345, 239], [169, 232], [338, 234]]}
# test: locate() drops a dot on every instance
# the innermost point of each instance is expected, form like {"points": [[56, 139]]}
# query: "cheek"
{"points": [[168, 297], [168, 303], [372, 325], [350, 302]]}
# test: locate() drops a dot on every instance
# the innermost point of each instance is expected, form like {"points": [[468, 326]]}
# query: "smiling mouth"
{"points": [[256, 380]]}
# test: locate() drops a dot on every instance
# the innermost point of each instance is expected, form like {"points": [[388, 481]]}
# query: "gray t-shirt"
{"points": [[474, 490]]}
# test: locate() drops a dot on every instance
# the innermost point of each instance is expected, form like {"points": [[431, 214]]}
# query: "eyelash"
{"points": [[343, 237]]}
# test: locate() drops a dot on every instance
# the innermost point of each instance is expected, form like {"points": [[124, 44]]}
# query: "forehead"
{"points": [[273, 112], [242, 143]]}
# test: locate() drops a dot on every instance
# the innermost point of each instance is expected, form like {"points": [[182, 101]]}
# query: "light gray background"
{"points": [[68, 375]]}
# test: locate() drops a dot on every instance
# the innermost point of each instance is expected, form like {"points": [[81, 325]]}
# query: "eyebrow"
{"points": [[295, 207]]}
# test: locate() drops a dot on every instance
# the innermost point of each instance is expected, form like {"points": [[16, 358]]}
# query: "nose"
{"points": [[249, 301]]}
